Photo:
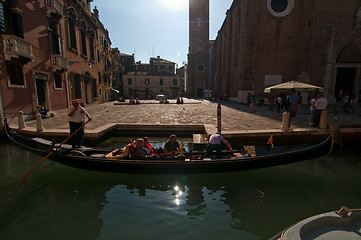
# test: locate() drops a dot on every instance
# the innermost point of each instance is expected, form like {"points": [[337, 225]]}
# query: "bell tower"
{"points": [[198, 52]]}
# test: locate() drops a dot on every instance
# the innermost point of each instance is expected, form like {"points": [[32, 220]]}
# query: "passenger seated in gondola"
{"points": [[125, 152], [140, 151], [118, 153], [171, 146], [149, 147]]}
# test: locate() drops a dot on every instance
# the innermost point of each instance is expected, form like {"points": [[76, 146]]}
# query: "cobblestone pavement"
{"points": [[235, 116]]}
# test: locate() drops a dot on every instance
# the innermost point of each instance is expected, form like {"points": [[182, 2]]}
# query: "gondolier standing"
{"points": [[76, 114]]}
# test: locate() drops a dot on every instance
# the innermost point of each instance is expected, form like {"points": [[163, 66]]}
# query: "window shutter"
{"points": [[18, 25], [2, 19]]}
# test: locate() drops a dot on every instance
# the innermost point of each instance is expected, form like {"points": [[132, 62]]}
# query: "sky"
{"points": [[151, 28]]}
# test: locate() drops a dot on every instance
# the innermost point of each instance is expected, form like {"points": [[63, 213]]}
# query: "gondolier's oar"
{"points": [[42, 160]]}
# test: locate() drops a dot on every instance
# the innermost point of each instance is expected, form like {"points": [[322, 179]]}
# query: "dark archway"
{"points": [[346, 72]]}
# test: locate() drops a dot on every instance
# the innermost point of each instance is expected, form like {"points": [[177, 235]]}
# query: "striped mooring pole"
{"points": [[219, 118]]}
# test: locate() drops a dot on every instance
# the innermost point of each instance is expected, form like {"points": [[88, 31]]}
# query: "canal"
{"points": [[60, 202]]}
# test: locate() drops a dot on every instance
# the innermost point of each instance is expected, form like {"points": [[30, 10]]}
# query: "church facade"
{"points": [[267, 42]]}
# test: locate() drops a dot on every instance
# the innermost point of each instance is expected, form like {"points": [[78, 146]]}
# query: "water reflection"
{"points": [[60, 202]]}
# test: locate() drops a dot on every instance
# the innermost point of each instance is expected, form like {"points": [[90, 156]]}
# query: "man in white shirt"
{"points": [[214, 143], [321, 105], [76, 117]]}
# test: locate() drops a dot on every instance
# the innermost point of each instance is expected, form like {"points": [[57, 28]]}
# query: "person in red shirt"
{"points": [[148, 146]]}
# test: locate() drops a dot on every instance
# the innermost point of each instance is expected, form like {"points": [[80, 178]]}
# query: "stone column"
{"points": [[39, 122], [285, 121], [21, 120], [323, 120]]}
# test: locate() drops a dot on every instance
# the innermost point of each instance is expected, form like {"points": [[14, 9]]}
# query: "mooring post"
{"points": [[323, 119], [219, 118], [39, 122], [21, 120], [285, 121]]}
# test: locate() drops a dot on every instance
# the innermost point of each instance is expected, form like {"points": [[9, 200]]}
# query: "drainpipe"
{"points": [[1, 115]]}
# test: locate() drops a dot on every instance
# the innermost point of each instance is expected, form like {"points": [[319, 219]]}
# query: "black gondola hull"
{"points": [[171, 165]]}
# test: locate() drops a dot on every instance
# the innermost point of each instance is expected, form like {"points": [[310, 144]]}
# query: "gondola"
{"points": [[189, 162]]}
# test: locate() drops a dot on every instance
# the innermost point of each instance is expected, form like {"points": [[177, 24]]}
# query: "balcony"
{"points": [[54, 6], [59, 62], [15, 47]]}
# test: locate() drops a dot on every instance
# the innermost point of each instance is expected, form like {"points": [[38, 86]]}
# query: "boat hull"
{"points": [[84, 158]]}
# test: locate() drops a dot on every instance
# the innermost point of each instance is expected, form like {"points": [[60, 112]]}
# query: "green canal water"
{"points": [[60, 202]]}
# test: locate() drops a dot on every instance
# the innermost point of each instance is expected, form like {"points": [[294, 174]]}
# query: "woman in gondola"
{"points": [[140, 151]]}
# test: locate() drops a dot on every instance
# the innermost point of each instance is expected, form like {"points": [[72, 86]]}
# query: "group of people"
{"points": [[318, 104], [133, 101], [43, 110], [290, 102], [141, 148]]}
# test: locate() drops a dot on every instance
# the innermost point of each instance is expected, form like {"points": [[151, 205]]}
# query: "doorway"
{"points": [[77, 87], [40, 91], [344, 82]]}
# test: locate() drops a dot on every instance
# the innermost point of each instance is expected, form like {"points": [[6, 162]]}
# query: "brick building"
{"points": [[262, 43], [32, 63], [153, 78], [50, 58], [121, 64]]}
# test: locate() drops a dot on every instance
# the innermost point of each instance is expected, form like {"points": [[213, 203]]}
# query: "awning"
{"points": [[294, 86]]}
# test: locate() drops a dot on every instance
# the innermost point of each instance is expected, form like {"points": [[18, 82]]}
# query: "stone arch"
{"points": [[346, 66]]}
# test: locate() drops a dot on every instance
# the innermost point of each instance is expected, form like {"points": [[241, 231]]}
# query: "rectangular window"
{"points": [[2, 19], [91, 48], [129, 81], [161, 82], [105, 79], [18, 25], [175, 82], [72, 33], [147, 81], [57, 81], [83, 43], [15, 75], [99, 77]]}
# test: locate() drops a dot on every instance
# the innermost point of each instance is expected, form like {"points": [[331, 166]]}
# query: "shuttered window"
{"points": [[18, 25], [2, 19]]}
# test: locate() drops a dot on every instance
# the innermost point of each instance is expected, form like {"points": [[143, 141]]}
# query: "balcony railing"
{"points": [[15, 47], [54, 6], [59, 62]]}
